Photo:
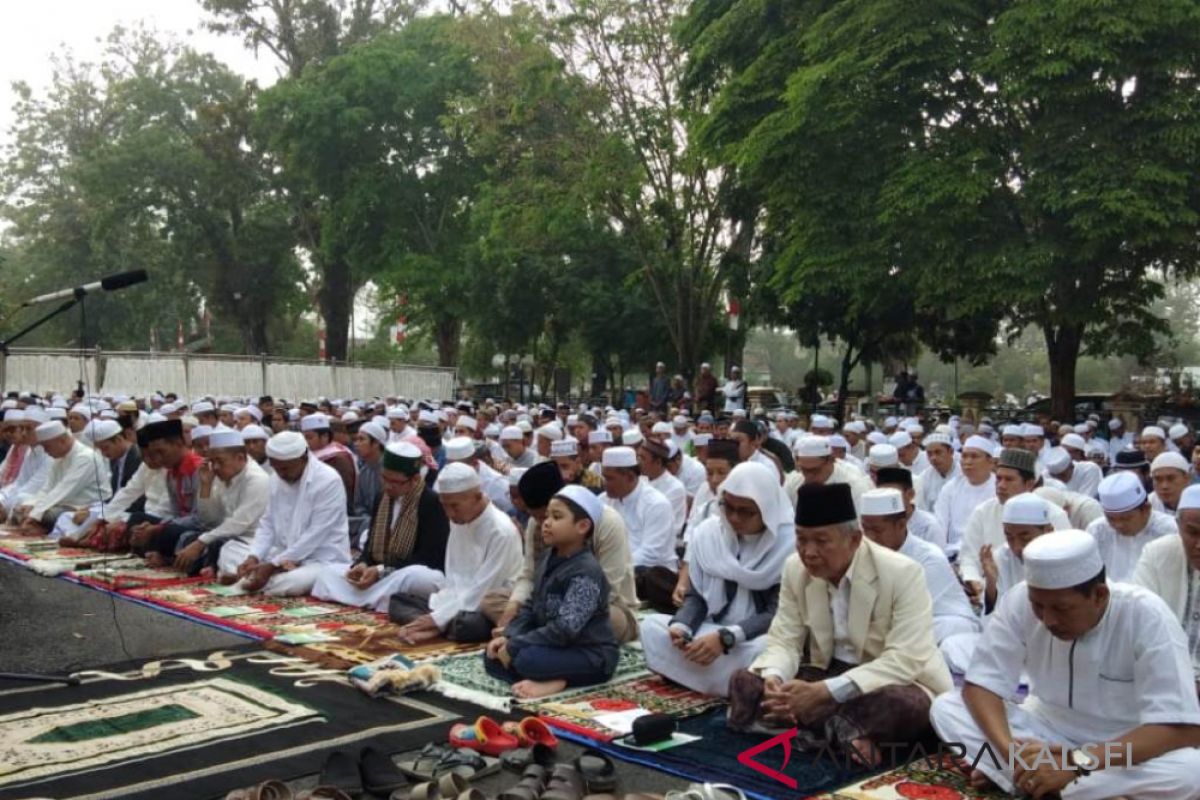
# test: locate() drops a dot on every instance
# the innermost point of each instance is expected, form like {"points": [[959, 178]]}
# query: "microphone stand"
{"points": [[4, 345]]}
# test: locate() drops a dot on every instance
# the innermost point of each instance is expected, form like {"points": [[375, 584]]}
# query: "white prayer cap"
{"points": [[1075, 441], [820, 421], [985, 446], [632, 437], [49, 430], [397, 412], [108, 413], [1115, 423], [599, 437], [739, 413], [253, 411], [1178, 431], [7, 404], [680, 421], [455, 478], [662, 428], [81, 409], [201, 431], [590, 503], [14, 415], [102, 430], [523, 426], [619, 457], [564, 448], [203, 407], [883, 455], [349, 418], [914, 427], [890, 422], [1061, 560], [511, 433], [1169, 461], [226, 437], [293, 414], [660, 364], [1097, 448], [551, 432], [700, 439], [672, 449], [286, 446], [492, 431], [514, 475], [254, 432], [230, 407], [881, 503], [813, 447], [875, 437], [1051, 494], [1026, 509], [470, 423], [1154, 430], [1030, 429], [838, 442], [460, 448], [1082, 428], [1057, 460], [857, 426], [427, 418], [1012, 430], [1190, 499], [1122, 491], [899, 440], [376, 431], [937, 438]]}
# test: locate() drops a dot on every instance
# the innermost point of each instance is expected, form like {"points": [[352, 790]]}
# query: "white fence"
{"points": [[139, 374]]}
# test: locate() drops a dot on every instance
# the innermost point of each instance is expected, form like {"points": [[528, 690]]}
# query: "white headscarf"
{"points": [[713, 557]]}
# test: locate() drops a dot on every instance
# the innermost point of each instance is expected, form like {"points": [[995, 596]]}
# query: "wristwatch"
{"points": [[1085, 763], [728, 640]]}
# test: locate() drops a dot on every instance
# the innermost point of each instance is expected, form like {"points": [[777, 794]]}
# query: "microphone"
{"points": [[110, 283]]}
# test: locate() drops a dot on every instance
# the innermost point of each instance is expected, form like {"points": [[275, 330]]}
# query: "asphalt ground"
{"points": [[49, 625]]}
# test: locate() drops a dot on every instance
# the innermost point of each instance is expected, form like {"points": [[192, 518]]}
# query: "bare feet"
{"points": [[155, 560], [980, 781], [228, 579], [529, 690], [864, 752]]}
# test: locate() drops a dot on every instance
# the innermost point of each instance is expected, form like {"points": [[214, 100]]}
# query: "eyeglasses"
{"points": [[744, 512]]}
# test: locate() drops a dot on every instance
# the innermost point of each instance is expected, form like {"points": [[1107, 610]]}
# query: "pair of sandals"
{"points": [[491, 738], [451, 786], [592, 774], [278, 790], [435, 760]]}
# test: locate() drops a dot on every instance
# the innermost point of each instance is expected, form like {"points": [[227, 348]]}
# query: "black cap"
{"points": [[724, 449], [819, 504], [167, 429], [898, 476], [1131, 459], [540, 483]]}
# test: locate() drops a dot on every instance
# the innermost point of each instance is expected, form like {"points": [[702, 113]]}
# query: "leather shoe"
{"points": [[379, 774], [341, 772]]}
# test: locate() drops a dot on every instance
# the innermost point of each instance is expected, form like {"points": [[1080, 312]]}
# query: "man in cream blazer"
{"points": [[851, 657], [1170, 567]]}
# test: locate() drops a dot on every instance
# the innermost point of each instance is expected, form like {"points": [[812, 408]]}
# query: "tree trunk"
{"points": [[1062, 346], [600, 375], [848, 364], [447, 336], [336, 298]]}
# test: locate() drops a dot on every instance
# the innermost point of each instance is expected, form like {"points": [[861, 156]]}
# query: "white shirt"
{"points": [[1132, 669], [482, 556], [305, 522], [78, 479], [233, 509], [931, 482], [1010, 570], [986, 526], [843, 472], [956, 502], [704, 505], [1120, 552], [692, 475], [148, 483], [30, 479], [496, 487], [648, 519], [925, 526], [1084, 510], [1085, 478], [920, 463], [839, 604], [1116, 445], [676, 495], [949, 598], [735, 395]]}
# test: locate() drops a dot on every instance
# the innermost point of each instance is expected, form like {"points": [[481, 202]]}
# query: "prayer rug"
{"points": [[577, 712], [923, 779], [103, 570], [465, 678], [198, 726]]}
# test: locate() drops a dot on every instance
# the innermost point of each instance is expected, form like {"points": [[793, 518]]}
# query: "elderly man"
{"points": [[516, 453], [109, 439], [649, 522], [1015, 475], [318, 435], [1170, 567], [706, 389], [609, 543], [1170, 474], [406, 548], [815, 465], [962, 495], [1112, 708], [304, 529], [850, 653], [34, 467], [483, 554], [78, 477], [1128, 525], [942, 469]]}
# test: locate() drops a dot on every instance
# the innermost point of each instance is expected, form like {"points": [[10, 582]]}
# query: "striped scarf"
{"points": [[396, 547], [12, 464]]}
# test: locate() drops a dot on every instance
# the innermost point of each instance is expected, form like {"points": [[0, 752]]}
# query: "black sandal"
{"points": [[598, 771]]}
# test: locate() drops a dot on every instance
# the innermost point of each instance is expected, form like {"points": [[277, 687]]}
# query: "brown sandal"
{"points": [[267, 790]]}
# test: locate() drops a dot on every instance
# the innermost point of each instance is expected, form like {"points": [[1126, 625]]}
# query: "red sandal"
{"points": [[486, 736], [531, 731]]}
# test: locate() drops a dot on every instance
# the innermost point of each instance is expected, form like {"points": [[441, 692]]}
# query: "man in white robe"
{"points": [[1119, 439], [1128, 525], [483, 554], [652, 460], [304, 528], [78, 477], [962, 495], [35, 466], [649, 522], [942, 469], [1080, 509], [815, 464], [1077, 475], [1170, 473], [1107, 665]]}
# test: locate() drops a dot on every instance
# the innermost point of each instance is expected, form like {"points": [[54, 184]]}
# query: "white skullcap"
{"points": [[881, 503], [702, 439], [286, 446], [253, 411], [662, 428], [1097, 448], [427, 418], [511, 433], [349, 417], [1122, 491], [524, 427], [1050, 494], [1057, 460], [49, 430], [857, 426], [1030, 429], [672, 449], [455, 478], [514, 475], [14, 415], [680, 421], [492, 431], [1190, 499], [564, 448], [838, 442], [1012, 430], [901, 439], [632, 437], [739, 413], [102, 430], [226, 437], [254, 432], [1178, 431], [938, 438], [551, 432], [7, 404], [470, 423], [53, 413], [1075, 441], [1061, 560], [203, 407], [875, 437], [230, 407], [890, 422], [883, 455], [1082, 428], [599, 437], [813, 447], [1115, 423], [81, 409], [619, 457], [985, 446], [1169, 461], [1025, 509], [590, 503], [1154, 430], [820, 421], [201, 431], [460, 448], [914, 427], [314, 422], [398, 412]]}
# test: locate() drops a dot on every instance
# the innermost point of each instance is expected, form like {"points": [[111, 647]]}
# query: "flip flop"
{"points": [[422, 766], [267, 790]]}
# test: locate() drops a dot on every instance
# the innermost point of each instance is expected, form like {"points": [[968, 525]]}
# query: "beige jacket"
{"points": [[890, 621], [1163, 569]]}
